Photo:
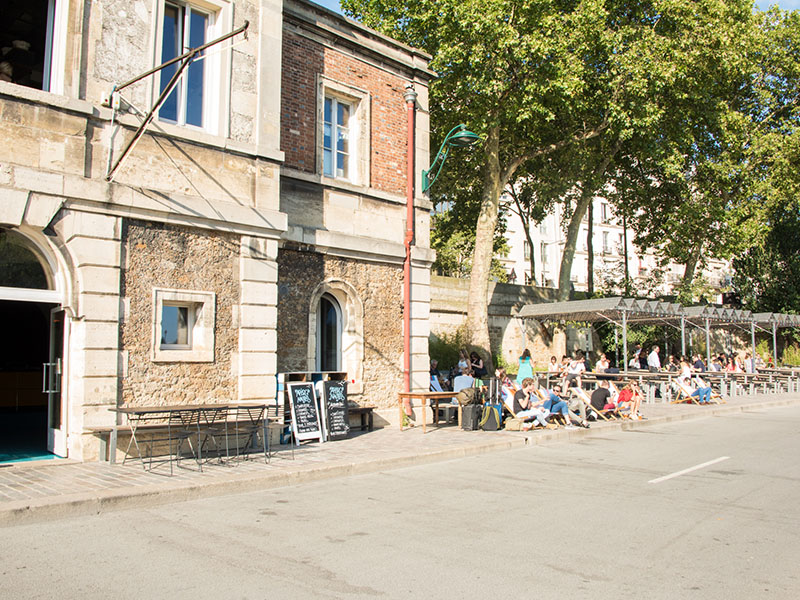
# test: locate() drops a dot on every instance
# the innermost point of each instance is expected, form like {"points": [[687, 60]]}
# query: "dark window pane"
{"points": [[329, 334], [170, 48]]}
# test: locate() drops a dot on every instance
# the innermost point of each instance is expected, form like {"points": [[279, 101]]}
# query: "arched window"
{"points": [[329, 334]]}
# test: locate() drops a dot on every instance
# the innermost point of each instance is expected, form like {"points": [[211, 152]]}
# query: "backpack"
{"points": [[513, 424], [469, 396], [490, 419]]}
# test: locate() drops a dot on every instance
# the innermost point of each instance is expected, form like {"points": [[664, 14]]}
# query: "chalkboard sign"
{"points": [[337, 420], [305, 418]]}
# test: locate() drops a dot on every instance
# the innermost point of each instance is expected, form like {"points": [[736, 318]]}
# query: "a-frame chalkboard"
{"points": [[305, 417], [337, 419]]}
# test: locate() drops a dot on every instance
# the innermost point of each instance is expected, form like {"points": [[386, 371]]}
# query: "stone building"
{"points": [[256, 227]]}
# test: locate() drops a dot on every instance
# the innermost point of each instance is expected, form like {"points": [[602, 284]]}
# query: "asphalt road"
{"points": [[606, 517]]}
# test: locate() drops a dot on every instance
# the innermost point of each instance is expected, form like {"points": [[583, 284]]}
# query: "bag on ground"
{"points": [[470, 417], [490, 419]]}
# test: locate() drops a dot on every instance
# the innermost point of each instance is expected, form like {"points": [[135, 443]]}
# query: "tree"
{"points": [[536, 77]]}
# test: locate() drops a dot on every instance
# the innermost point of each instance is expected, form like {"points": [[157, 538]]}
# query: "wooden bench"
{"points": [[365, 414], [108, 445]]}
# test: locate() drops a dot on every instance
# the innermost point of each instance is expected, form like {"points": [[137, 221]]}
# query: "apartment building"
{"points": [[610, 242]]}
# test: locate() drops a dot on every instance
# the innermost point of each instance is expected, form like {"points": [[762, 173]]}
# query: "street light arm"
{"points": [[463, 137]]}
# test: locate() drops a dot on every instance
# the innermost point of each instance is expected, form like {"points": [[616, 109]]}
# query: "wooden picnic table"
{"points": [[434, 397]]}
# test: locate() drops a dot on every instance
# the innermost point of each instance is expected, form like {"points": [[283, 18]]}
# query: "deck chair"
{"points": [[618, 413], [716, 397], [508, 404], [603, 414], [543, 394], [684, 394]]}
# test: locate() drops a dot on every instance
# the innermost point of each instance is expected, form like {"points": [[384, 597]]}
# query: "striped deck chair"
{"points": [[620, 413], [606, 415]]}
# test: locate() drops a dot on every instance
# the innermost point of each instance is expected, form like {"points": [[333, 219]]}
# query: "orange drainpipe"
{"points": [[410, 97]]}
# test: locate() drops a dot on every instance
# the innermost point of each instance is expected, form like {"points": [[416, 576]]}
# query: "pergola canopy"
{"points": [[626, 311]]}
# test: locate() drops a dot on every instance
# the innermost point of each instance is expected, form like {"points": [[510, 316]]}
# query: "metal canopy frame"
{"points": [[624, 311]]}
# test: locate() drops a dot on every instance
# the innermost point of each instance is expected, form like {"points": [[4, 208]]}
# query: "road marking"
{"points": [[689, 470]]}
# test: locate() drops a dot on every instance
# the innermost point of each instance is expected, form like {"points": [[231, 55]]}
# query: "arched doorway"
{"points": [[32, 414]]}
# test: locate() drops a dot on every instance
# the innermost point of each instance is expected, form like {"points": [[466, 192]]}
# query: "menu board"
{"points": [[334, 396], [305, 417]]}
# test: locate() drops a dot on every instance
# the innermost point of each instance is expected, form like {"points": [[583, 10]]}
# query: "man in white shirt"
{"points": [[463, 381], [653, 361]]}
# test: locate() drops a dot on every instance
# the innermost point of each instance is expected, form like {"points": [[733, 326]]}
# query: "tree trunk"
{"points": [[685, 294], [478, 301], [569, 247], [590, 250]]}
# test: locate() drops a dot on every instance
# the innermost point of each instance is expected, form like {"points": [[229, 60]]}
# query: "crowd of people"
{"points": [[524, 399]]}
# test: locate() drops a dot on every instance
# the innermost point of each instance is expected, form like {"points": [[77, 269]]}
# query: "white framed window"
{"points": [[543, 250], [200, 97], [343, 132], [606, 243], [604, 215], [526, 249], [183, 326], [336, 138], [543, 226]]}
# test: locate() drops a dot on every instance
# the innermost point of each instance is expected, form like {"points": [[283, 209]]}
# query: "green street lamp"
{"points": [[459, 137]]}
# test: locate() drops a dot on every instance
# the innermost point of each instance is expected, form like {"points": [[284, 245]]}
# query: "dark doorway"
{"points": [[23, 405]]}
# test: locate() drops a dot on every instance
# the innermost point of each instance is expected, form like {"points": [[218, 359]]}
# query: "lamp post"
{"points": [[458, 137]]}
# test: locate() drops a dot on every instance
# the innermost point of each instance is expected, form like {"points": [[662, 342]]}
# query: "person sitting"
{"points": [[602, 364], [476, 364], [672, 364], [716, 364], [463, 381], [572, 376], [698, 364], [703, 394], [732, 367], [553, 367], [506, 387], [577, 408], [556, 404], [436, 385], [601, 397], [525, 407], [749, 365], [631, 397]]}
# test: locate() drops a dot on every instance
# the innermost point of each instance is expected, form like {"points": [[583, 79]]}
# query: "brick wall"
{"points": [[303, 60]]}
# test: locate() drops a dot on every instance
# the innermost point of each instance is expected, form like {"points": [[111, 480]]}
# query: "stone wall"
{"points": [[379, 289], [509, 335], [167, 256]]}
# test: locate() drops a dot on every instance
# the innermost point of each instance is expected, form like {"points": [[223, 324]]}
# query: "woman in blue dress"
{"points": [[525, 366]]}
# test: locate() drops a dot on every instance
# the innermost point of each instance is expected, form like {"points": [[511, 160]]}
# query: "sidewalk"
{"points": [[31, 492]]}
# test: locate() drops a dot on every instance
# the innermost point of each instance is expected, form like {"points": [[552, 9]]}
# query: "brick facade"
{"points": [[303, 61]]}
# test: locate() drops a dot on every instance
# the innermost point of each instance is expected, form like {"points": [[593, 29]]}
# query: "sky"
{"points": [[762, 4]]}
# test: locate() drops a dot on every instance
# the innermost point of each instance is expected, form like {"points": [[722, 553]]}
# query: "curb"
{"points": [[76, 505]]}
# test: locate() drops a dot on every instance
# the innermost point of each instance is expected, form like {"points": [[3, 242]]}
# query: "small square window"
{"points": [[183, 326]]}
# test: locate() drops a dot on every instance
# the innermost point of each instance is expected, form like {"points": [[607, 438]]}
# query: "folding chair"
{"points": [[581, 393]]}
